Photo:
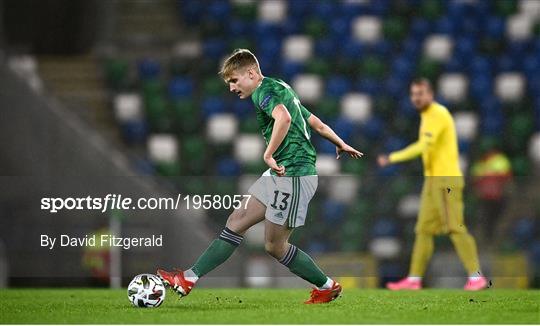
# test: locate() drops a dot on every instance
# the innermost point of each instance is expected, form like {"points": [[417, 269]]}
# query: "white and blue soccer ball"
{"points": [[146, 291]]}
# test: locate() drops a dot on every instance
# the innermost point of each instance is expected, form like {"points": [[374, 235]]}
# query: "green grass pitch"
{"points": [[271, 306]]}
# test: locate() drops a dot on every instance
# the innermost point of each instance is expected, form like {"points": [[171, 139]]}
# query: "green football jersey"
{"points": [[296, 153]]}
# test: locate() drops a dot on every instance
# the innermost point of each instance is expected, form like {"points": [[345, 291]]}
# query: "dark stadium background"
{"points": [[123, 96]]}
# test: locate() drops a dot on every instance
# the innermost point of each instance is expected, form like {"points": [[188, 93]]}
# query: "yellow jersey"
{"points": [[437, 143]]}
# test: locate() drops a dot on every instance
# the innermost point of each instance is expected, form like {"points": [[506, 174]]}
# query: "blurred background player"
{"points": [[280, 197], [441, 207], [492, 173]]}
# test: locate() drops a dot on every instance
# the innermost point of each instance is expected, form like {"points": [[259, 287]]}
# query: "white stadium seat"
{"points": [[519, 27], [221, 128], [356, 107], [510, 86], [463, 162], [385, 247], [187, 49], [343, 189], [466, 125], [258, 271], [530, 8], [453, 86], [297, 48], [163, 148], [128, 107], [438, 47], [534, 148], [409, 206], [367, 29], [309, 87], [272, 11], [327, 165], [249, 148]]}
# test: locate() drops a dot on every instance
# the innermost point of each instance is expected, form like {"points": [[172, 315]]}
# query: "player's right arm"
{"points": [[325, 131]]}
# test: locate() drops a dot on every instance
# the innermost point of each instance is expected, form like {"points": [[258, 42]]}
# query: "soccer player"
{"points": [[280, 197], [441, 205]]}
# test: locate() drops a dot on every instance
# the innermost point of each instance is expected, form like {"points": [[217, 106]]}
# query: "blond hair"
{"points": [[239, 59]]}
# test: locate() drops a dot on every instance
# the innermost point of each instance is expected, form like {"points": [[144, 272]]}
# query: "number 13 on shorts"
{"points": [[286, 198]]}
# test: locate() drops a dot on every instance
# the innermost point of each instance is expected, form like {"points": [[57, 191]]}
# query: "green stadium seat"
{"points": [[372, 67], [357, 167], [431, 9], [241, 43], [429, 69], [214, 86], [168, 169], [194, 154], [186, 117], [520, 166], [255, 168], [152, 88], [491, 46], [327, 108], [158, 114], [116, 72], [315, 28], [505, 7], [249, 126], [245, 10], [352, 234], [318, 66], [394, 29]]}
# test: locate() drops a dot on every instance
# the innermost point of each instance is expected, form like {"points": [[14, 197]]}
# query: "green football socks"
{"points": [[302, 265], [217, 253]]}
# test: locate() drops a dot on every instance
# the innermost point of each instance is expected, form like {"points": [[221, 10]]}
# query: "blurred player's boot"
{"points": [[405, 284], [324, 296], [476, 284], [176, 281]]}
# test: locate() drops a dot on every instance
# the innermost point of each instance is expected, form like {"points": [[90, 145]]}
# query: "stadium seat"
{"points": [[149, 68], [394, 29], [315, 28], [519, 27], [309, 87], [343, 189], [337, 86], [367, 29], [327, 165], [117, 73], [274, 11], [510, 86], [466, 125], [297, 48], [189, 49], [356, 107], [248, 148], [438, 47], [163, 148], [453, 87], [228, 167], [128, 107], [409, 206], [221, 128], [534, 148], [211, 106], [180, 87], [333, 212]]}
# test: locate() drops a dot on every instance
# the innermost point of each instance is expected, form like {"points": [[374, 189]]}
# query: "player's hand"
{"points": [[348, 150], [271, 162], [383, 160]]}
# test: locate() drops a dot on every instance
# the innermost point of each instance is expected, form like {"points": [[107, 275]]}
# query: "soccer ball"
{"points": [[146, 291]]}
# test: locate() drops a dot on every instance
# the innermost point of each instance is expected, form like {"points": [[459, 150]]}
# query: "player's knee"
{"points": [[275, 249], [234, 221]]}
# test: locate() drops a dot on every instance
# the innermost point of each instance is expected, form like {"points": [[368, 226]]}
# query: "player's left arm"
{"points": [[282, 122], [324, 130]]}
